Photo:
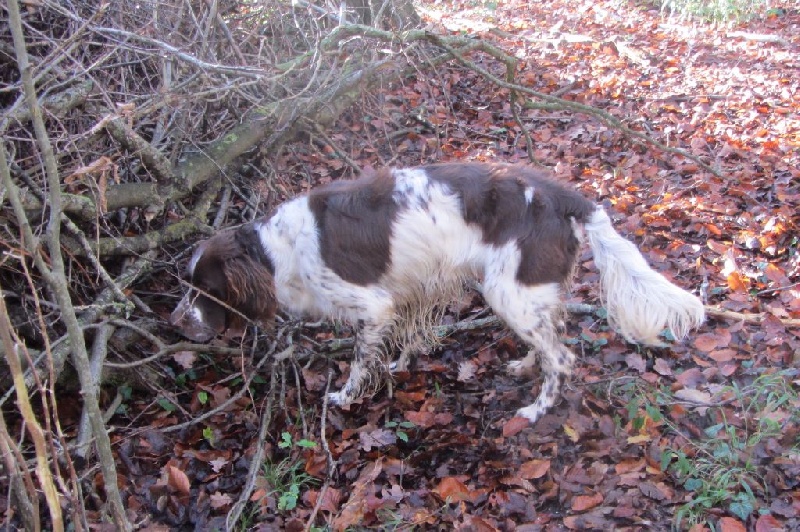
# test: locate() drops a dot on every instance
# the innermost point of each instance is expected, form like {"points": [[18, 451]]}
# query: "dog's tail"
{"points": [[640, 301]]}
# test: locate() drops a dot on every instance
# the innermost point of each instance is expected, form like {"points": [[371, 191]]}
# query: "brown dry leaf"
{"points": [[356, 505], [690, 378], [776, 275], [694, 396], [479, 524], [218, 463], [178, 480], [722, 355], [376, 439], [768, 523], [629, 465], [581, 503], [220, 500], [514, 426], [534, 469], [331, 498], [451, 489], [731, 524], [636, 361], [466, 371], [662, 367], [421, 419], [706, 342], [737, 282]]}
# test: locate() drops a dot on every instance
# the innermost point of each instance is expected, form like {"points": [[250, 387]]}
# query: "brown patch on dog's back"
{"points": [[493, 198], [355, 224]]}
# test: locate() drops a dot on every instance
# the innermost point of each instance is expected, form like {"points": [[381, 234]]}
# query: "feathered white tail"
{"points": [[640, 301]]}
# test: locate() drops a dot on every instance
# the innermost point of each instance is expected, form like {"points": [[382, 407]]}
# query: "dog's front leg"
{"points": [[368, 370]]}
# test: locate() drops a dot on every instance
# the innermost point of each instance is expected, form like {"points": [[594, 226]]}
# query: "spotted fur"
{"points": [[384, 251]]}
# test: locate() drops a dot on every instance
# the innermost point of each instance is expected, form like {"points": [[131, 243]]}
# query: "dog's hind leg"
{"points": [[532, 312], [557, 361]]}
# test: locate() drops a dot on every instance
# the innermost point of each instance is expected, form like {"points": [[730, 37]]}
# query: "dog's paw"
{"points": [[531, 413], [398, 366], [339, 398], [518, 368]]}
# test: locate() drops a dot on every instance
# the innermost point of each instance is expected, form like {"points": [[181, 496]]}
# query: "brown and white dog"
{"points": [[384, 251]]}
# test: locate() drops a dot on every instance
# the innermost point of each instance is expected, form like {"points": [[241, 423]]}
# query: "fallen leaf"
{"points": [[178, 480], [534, 469], [652, 491], [722, 355], [571, 433], [218, 463], [450, 489], [356, 506], [636, 361], [376, 439], [479, 524], [639, 438], [466, 371], [705, 342], [581, 503], [331, 498], [662, 367], [421, 419], [731, 524], [514, 426], [768, 523], [220, 500], [690, 378], [694, 396]]}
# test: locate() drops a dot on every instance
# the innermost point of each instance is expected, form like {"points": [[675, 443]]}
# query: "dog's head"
{"points": [[231, 281]]}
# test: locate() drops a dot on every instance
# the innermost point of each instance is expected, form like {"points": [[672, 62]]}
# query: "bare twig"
{"points": [[719, 312], [256, 461], [43, 472], [331, 461]]}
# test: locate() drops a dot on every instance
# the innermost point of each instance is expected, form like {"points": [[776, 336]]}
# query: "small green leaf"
{"points": [[654, 413], [208, 434], [666, 458], [167, 405], [125, 391], [306, 444], [712, 431], [402, 436], [286, 440], [693, 484], [202, 397], [742, 506]]}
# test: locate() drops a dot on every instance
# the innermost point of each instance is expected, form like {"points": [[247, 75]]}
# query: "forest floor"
{"points": [[704, 433]]}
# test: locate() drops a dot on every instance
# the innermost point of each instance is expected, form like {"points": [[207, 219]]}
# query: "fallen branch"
{"points": [[747, 317]]}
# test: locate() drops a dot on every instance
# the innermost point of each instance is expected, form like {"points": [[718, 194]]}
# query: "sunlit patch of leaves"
{"points": [[719, 10]]}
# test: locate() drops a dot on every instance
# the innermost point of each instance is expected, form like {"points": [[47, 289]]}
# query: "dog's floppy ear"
{"points": [[251, 288]]}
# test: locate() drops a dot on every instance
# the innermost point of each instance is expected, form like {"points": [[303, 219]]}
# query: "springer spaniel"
{"points": [[384, 251]]}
